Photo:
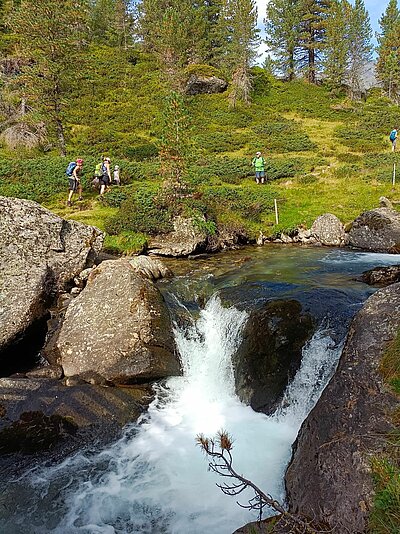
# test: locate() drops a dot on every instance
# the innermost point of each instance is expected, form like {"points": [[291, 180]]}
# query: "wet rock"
{"points": [[270, 352], [119, 327], [187, 238], [377, 230], [328, 230], [39, 254], [151, 268], [329, 476], [39, 414], [381, 276]]}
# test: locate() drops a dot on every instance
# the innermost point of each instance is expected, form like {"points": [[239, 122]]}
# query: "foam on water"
{"points": [[155, 480]]}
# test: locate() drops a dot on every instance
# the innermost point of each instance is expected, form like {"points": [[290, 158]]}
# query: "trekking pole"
{"points": [[394, 176], [276, 211]]}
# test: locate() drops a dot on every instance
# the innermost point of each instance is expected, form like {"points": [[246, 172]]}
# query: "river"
{"points": [[155, 480]]}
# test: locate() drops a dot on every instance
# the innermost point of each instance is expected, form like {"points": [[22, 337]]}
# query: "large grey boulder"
{"points": [[329, 477], [39, 254], [270, 352], [381, 276], [328, 230], [377, 230], [118, 327], [187, 238], [198, 84]]}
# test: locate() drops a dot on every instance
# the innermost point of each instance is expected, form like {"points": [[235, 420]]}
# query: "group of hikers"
{"points": [[102, 178]]}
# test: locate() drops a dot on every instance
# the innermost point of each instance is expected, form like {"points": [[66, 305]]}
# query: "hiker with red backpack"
{"points": [[74, 171]]}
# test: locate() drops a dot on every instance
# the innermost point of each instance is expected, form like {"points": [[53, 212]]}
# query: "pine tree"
{"points": [[312, 36], [360, 49], [388, 63], [243, 40], [49, 37], [282, 25], [337, 45]]}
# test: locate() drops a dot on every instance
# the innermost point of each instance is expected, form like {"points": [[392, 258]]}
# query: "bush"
{"points": [[141, 212], [213, 142], [141, 152], [283, 135]]}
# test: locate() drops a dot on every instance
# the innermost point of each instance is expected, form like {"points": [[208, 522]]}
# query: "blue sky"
{"points": [[375, 9]]}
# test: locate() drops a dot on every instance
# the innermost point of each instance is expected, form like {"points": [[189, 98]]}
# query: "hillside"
{"points": [[323, 154]]}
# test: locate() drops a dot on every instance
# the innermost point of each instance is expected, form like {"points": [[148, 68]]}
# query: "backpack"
{"points": [[97, 170], [392, 135], [70, 168]]}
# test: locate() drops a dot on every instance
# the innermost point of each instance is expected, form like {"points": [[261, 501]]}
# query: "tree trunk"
{"points": [[61, 137]]}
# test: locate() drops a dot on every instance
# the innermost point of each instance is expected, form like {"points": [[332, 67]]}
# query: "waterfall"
{"points": [[155, 480]]}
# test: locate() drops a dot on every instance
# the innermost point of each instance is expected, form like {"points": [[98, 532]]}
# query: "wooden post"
{"points": [[394, 176], [276, 211]]}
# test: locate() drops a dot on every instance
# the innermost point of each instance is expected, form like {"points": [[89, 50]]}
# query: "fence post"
{"points": [[276, 211]]}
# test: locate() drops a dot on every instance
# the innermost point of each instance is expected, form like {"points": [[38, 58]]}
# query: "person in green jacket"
{"points": [[259, 166]]}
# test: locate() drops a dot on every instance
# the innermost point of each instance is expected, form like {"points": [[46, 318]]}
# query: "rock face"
{"points": [[270, 353], [329, 476], [328, 230], [118, 327], [377, 230], [197, 85], [382, 276], [36, 414], [39, 253], [186, 239]]}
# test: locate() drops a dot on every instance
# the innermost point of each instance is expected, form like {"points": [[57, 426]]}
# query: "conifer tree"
{"points": [[360, 47], [243, 40], [312, 36], [282, 25], [49, 36], [337, 45], [388, 63]]}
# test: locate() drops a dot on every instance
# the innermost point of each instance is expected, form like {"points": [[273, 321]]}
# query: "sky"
{"points": [[375, 9]]}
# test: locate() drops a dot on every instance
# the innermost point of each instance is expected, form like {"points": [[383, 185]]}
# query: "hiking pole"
{"points": [[276, 211], [394, 176]]}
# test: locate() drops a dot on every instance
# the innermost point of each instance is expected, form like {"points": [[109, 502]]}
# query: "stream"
{"points": [[155, 480]]}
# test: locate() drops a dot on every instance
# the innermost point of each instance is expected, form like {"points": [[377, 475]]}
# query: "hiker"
{"points": [[259, 166], [74, 171], [116, 177], [97, 174], [393, 138], [105, 178]]}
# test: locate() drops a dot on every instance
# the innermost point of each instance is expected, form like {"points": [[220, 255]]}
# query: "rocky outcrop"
{"points": [[199, 84], [329, 476], [377, 230], [38, 414], [328, 230], [151, 268], [187, 238], [381, 276], [39, 254], [270, 352], [118, 327]]}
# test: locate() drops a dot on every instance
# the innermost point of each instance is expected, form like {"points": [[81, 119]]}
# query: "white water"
{"points": [[156, 480]]}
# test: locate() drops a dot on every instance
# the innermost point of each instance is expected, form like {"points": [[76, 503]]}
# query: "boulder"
{"points": [[39, 254], [377, 230], [329, 477], [270, 352], [199, 84], [151, 268], [118, 327], [187, 238], [328, 230], [381, 276], [37, 414]]}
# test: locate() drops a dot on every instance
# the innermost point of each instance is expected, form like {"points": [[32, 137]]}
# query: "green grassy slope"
{"points": [[323, 154]]}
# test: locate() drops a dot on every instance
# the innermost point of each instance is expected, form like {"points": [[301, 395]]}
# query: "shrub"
{"points": [[141, 152], [213, 142], [141, 212], [282, 135]]}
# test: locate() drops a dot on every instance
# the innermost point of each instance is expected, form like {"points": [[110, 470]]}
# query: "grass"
{"points": [[385, 516]]}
